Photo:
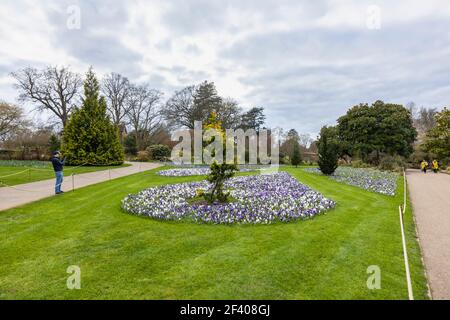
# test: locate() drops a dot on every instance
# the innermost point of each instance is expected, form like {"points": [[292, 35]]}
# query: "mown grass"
{"points": [[128, 257], [19, 174]]}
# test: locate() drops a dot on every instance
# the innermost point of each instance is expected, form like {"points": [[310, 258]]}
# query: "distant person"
{"points": [[435, 166], [424, 166], [58, 166]]}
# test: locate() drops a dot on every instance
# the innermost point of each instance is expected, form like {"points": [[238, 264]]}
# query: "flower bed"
{"points": [[258, 199], [184, 172], [368, 179]]}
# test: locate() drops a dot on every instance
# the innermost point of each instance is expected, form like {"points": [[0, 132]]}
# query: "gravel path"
{"points": [[430, 197], [18, 195]]}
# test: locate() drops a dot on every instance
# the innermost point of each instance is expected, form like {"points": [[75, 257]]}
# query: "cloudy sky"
{"points": [[305, 62]]}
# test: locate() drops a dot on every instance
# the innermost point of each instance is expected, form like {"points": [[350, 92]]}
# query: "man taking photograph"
{"points": [[58, 166]]}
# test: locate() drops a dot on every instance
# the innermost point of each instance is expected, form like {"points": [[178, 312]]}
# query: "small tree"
{"points": [[54, 143], [220, 172], [296, 157], [218, 175], [90, 136], [328, 150]]}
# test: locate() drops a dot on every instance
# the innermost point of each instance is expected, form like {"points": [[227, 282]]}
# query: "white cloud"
{"points": [[305, 61]]}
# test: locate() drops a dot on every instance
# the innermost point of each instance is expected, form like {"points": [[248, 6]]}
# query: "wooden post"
{"points": [[73, 182]]}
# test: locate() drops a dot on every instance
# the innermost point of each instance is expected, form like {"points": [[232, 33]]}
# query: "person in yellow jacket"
{"points": [[435, 166], [424, 166]]}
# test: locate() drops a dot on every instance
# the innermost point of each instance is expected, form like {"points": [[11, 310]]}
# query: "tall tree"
{"points": [[293, 135], [253, 119], [328, 149], [379, 128], [90, 136], [438, 138], [116, 89], [290, 144], [195, 103], [179, 109], [296, 156], [425, 119], [229, 113], [52, 89], [206, 100], [12, 120], [143, 112], [305, 140]]}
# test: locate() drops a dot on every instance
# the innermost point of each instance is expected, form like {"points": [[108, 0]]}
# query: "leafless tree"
{"points": [[305, 139], [229, 113], [425, 119], [12, 120], [116, 89], [179, 110], [51, 89], [143, 114]]}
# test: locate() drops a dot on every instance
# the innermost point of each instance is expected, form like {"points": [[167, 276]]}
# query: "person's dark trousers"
{"points": [[59, 180]]}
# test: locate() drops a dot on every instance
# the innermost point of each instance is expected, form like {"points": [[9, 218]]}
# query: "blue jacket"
{"points": [[58, 164]]}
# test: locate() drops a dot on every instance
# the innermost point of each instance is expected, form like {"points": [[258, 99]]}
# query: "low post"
{"points": [[73, 182]]}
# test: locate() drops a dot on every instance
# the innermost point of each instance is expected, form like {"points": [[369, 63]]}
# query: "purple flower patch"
{"points": [[368, 179], [184, 172], [259, 199]]}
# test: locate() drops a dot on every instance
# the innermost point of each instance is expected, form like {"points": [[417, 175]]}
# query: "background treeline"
{"points": [[389, 136], [143, 118], [381, 134]]}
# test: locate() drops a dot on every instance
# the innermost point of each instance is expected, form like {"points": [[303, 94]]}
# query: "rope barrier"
{"points": [[402, 210], [38, 169], [404, 190], [405, 256], [14, 174], [72, 175]]}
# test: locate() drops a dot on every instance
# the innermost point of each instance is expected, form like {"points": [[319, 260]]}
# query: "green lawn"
{"points": [[128, 257], [14, 175]]}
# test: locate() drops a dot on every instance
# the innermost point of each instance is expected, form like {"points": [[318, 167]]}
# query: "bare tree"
{"points": [[12, 120], [305, 140], [195, 103], [116, 89], [143, 115], [426, 118], [229, 113], [52, 89], [179, 110]]}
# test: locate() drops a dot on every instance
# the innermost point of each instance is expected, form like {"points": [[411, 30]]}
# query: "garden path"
{"points": [[18, 195], [430, 197]]}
